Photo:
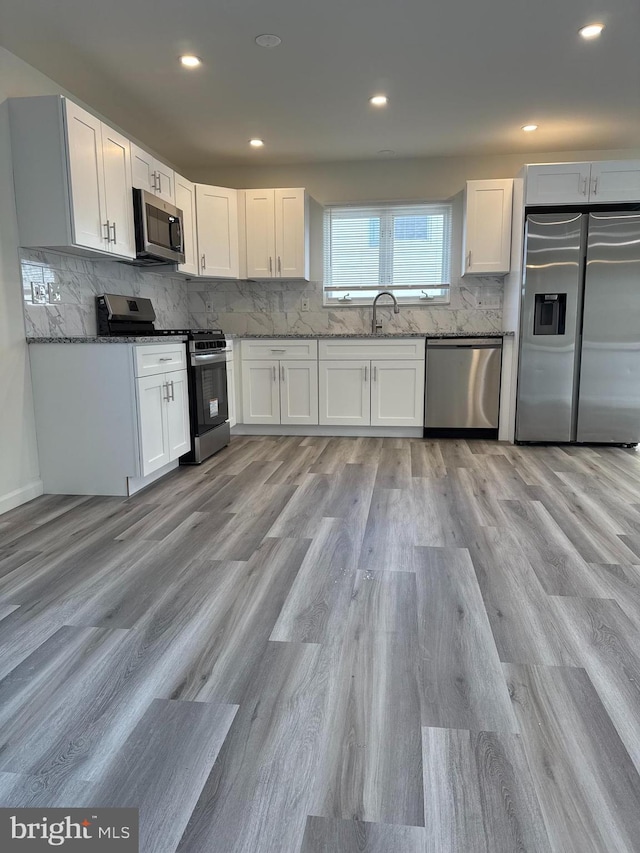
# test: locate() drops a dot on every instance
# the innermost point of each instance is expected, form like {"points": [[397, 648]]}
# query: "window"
{"points": [[404, 248]]}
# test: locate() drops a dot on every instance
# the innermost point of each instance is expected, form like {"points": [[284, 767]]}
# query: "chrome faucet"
{"points": [[375, 326]]}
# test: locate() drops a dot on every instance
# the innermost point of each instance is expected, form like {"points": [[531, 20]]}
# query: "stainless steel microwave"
{"points": [[158, 226]]}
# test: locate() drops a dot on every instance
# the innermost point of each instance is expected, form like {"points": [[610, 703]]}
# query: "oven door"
{"points": [[209, 385]]}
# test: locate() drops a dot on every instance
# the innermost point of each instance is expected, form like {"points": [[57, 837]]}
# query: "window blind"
{"points": [[404, 248]]}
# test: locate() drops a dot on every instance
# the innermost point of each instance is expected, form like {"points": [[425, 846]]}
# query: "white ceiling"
{"points": [[462, 76]]}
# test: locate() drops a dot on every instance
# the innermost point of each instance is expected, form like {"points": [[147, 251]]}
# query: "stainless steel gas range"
{"points": [[207, 369]]}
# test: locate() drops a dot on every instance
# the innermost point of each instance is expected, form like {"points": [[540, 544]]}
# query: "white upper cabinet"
{"points": [[151, 175], [277, 233], [487, 227], [558, 183], [576, 183], [217, 229], [117, 184], [615, 180], [86, 178], [72, 178], [186, 202]]}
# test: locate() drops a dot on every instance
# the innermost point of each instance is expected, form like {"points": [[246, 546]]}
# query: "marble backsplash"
{"points": [[81, 280], [275, 307]]}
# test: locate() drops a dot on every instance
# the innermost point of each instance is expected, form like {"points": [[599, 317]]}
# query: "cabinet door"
{"points": [[143, 170], [231, 393], [116, 153], [165, 182], [186, 202], [345, 393], [152, 422], [290, 230], [178, 430], [615, 180], [260, 392], [299, 392], [397, 393], [86, 174], [558, 183], [488, 227], [260, 233], [217, 223]]}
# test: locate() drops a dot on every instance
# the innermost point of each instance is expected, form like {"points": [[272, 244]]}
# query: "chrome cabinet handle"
{"points": [[278, 350], [203, 263], [113, 225], [159, 182], [469, 260], [270, 265], [366, 374], [584, 186], [154, 175], [595, 186], [282, 372], [274, 372], [165, 359], [375, 374], [173, 391], [165, 385], [279, 266], [107, 225]]}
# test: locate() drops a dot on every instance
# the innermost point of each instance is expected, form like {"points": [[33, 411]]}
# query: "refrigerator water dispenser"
{"points": [[549, 313]]}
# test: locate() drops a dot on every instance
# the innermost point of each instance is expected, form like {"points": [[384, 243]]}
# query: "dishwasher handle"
{"points": [[465, 343]]}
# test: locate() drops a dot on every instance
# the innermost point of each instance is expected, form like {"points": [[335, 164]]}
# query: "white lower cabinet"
{"points": [[397, 393], [278, 391], [372, 393], [299, 392], [260, 392], [345, 398], [163, 419]]}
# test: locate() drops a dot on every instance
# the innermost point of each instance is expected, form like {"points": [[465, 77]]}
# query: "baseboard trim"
{"points": [[328, 431], [21, 496]]}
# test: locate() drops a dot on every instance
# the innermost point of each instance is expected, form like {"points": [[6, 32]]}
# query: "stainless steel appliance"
{"points": [[579, 367], [207, 369], [463, 387], [158, 229]]}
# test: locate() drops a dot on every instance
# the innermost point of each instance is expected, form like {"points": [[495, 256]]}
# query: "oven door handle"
{"points": [[212, 358]]}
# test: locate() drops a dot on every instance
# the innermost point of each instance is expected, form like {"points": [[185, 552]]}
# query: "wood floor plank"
{"points": [[394, 468], [332, 835], [257, 795], [558, 565], [163, 766], [319, 598], [587, 784], [368, 773], [461, 681], [426, 459], [241, 618], [479, 794], [525, 622], [390, 532], [437, 515]]}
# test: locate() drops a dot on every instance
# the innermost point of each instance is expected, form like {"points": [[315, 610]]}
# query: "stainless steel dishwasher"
{"points": [[463, 387]]}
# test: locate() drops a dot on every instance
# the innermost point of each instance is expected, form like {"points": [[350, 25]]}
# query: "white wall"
{"points": [[19, 476], [432, 178]]}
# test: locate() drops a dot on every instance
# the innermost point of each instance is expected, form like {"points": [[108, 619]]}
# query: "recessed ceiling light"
{"points": [[529, 127], [268, 40], [379, 100], [256, 143], [386, 152], [591, 31], [190, 61]]}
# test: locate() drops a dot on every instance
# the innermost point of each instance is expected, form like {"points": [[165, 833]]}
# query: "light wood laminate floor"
{"points": [[335, 645]]}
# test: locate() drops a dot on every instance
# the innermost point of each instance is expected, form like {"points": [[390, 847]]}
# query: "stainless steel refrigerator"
{"points": [[579, 367]]}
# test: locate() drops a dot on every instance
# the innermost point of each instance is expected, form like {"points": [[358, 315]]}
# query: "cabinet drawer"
{"points": [[159, 358], [303, 349], [356, 350]]}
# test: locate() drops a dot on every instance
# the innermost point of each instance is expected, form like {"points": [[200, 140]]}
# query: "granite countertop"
{"points": [[365, 335], [105, 339]]}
